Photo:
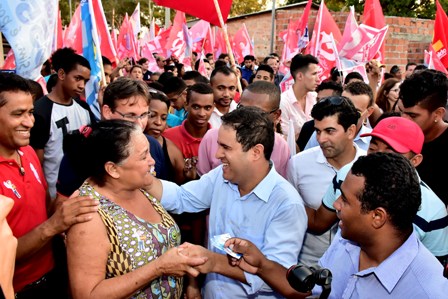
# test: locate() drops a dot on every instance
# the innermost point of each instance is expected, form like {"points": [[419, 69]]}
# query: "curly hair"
{"points": [[391, 182]]}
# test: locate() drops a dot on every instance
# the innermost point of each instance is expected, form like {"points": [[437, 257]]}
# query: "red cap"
{"points": [[401, 134]]}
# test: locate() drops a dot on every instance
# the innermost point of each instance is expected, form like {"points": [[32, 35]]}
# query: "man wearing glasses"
{"points": [[125, 99], [176, 90]]}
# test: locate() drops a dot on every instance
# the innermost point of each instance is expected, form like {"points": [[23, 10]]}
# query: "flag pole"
{"points": [[2, 58], [226, 38]]}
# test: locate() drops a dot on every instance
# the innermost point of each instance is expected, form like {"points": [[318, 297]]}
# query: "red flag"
{"points": [[176, 29], [440, 39], [204, 10], [10, 61], [58, 40], [107, 46], [73, 34], [126, 46], [325, 33], [373, 16], [242, 45], [158, 45]]}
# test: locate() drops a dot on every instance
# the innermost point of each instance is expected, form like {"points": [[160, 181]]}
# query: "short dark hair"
{"points": [[35, 89], [266, 68], [264, 87], [351, 76], [106, 61], [340, 106], [163, 78], [201, 88], [124, 88], [391, 182], [138, 66], [158, 95], [220, 63], [420, 67], [427, 88], [208, 55], [249, 57], [358, 88], [300, 63], [336, 87], [394, 69], [226, 71], [253, 126], [10, 82], [67, 59], [174, 85], [410, 64], [169, 67], [196, 64], [195, 76], [108, 141], [142, 60], [223, 56]]}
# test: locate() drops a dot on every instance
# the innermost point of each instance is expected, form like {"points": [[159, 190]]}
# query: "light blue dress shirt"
{"points": [[409, 272], [361, 142], [428, 223], [272, 216]]}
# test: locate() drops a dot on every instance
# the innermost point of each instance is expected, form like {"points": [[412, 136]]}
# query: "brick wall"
{"points": [[406, 40]]}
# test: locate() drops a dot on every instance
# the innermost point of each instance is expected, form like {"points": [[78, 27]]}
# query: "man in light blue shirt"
{"points": [[248, 199], [382, 256], [361, 96], [375, 254], [400, 135]]}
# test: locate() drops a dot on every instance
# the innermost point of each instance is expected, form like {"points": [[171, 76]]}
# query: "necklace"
{"points": [[19, 161]]}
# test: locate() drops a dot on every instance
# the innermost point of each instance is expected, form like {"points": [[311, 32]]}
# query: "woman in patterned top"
{"points": [[128, 249]]}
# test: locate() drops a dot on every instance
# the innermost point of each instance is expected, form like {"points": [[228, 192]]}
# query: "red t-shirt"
{"points": [[29, 194], [188, 145]]}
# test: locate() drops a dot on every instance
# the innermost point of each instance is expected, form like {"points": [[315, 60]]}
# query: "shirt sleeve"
{"points": [[283, 241], [192, 197], [204, 161]]}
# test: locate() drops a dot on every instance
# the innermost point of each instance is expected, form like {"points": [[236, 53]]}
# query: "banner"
{"points": [[28, 25]]}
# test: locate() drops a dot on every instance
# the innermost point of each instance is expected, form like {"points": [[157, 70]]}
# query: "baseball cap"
{"points": [[401, 134]]}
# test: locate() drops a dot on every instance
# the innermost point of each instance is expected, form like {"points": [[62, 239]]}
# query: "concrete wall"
{"points": [[406, 40]]}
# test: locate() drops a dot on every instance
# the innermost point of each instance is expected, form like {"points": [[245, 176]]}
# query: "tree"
{"points": [[242, 7], [403, 8]]}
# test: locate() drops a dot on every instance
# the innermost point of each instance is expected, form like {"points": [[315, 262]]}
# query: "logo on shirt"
{"points": [[12, 187]]}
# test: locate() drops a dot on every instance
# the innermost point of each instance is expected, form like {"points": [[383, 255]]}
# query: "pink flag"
{"points": [[158, 45], [325, 30], [126, 42], [146, 52], [73, 34], [373, 16], [107, 47], [242, 45], [220, 43], [135, 20], [201, 69], [433, 61], [199, 33]]}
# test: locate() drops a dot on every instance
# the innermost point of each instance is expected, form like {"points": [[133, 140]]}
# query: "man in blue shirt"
{"points": [[375, 254], [247, 198]]}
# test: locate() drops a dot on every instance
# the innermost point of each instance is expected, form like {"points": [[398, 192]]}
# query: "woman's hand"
{"points": [[175, 263]]}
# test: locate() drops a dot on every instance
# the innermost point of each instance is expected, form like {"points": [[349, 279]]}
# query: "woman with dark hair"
{"points": [[175, 164], [129, 248], [387, 94]]}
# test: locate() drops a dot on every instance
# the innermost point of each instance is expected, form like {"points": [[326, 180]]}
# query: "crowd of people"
{"points": [[344, 174]]}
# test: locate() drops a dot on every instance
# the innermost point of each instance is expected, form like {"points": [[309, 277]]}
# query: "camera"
{"points": [[303, 279]]}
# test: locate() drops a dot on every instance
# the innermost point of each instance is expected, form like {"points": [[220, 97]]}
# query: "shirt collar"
{"points": [[399, 261], [264, 188], [188, 138], [364, 130]]}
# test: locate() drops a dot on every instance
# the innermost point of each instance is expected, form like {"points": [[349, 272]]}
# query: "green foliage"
{"points": [[403, 8], [242, 7]]}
